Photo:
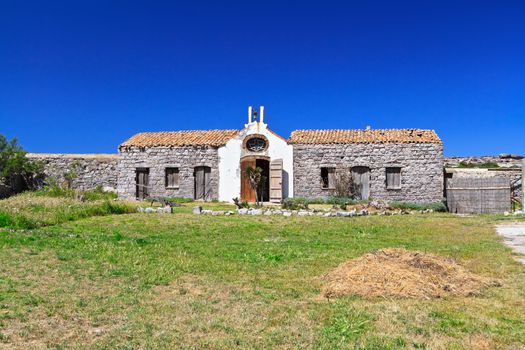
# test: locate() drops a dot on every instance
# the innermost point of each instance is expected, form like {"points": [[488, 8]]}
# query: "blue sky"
{"points": [[82, 76]]}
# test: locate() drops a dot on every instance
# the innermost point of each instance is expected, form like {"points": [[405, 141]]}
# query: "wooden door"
{"points": [[142, 183], [247, 193], [203, 188], [208, 193], [276, 180], [361, 178]]}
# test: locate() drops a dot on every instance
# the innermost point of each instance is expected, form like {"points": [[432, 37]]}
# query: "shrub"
{"points": [[295, 203], [14, 164], [482, 165], [240, 204]]}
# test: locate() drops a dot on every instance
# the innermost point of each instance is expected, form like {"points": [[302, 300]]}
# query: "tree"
{"points": [[14, 164], [257, 180]]}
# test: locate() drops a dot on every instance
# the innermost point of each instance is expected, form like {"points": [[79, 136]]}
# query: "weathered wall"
{"points": [[230, 156], [421, 173], [157, 159], [92, 169], [513, 175], [503, 160]]}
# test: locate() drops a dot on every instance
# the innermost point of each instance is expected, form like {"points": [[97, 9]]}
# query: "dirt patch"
{"points": [[398, 273]]}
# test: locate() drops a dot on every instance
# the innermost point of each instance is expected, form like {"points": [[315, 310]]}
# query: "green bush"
{"points": [[486, 165], [295, 203], [53, 189]]}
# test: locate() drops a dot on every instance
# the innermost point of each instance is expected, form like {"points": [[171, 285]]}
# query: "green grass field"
{"points": [[161, 281]]}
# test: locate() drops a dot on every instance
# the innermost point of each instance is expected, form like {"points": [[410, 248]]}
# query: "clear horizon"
{"points": [[84, 77]]}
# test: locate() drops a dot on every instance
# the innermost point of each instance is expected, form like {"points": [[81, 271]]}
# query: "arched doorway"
{"points": [[247, 193]]}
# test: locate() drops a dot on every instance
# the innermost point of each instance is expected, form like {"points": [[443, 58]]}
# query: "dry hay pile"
{"points": [[398, 273]]}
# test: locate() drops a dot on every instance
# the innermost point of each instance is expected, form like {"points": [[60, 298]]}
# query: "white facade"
{"points": [[230, 158]]}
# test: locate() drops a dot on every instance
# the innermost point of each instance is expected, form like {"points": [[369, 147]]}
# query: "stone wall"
{"points": [[157, 159], [503, 161], [421, 169], [92, 169]]}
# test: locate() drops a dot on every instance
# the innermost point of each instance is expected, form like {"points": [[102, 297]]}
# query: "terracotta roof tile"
{"points": [[363, 136], [180, 138]]}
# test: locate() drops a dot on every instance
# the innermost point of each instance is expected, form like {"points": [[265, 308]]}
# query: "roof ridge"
{"points": [[212, 137], [348, 136]]}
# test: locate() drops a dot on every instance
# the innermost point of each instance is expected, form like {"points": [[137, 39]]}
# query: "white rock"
{"points": [[207, 212], [197, 210], [256, 212], [242, 211], [287, 213]]}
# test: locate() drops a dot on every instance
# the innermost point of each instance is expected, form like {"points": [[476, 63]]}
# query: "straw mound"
{"points": [[398, 273]]}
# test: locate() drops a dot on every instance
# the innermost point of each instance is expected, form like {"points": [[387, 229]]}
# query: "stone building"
{"points": [[206, 164], [399, 165]]}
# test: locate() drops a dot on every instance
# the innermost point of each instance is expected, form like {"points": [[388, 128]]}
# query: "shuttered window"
{"points": [[328, 178], [172, 177], [393, 178]]}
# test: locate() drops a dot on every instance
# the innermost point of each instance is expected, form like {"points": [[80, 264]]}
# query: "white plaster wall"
{"points": [[229, 170], [230, 158]]}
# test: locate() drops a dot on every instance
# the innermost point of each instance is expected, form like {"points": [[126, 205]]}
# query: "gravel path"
{"points": [[514, 237]]}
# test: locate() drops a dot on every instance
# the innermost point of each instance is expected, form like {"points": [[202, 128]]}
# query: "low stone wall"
{"points": [[421, 169], [503, 161], [157, 159], [92, 169]]}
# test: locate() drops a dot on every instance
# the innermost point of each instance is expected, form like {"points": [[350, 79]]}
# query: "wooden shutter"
{"points": [[276, 180], [172, 177], [393, 177]]}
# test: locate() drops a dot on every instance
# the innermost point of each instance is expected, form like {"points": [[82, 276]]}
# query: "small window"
{"points": [[327, 178], [393, 178], [256, 144], [172, 177]]}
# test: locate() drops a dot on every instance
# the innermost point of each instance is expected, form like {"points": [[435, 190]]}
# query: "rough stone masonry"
{"points": [[92, 169], [157, 159], [421, 168]]}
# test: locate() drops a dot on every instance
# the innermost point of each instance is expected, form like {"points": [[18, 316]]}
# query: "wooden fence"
{"points": [[471, 194]]}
